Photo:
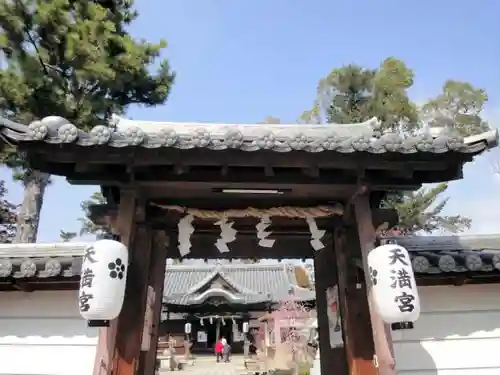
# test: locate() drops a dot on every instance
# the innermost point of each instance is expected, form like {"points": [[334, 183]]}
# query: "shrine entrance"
{"points": [[226, 331], [246, 191], [212, 332]]}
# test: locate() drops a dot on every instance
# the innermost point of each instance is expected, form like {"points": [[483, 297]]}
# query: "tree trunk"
{"points": [[29, 214]]}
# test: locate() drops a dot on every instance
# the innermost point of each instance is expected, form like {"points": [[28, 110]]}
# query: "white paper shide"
{"points": [[227, 235], [394, 288], [316, 234], [185, 229], [225, 221], [102, 281], [262, 233]]}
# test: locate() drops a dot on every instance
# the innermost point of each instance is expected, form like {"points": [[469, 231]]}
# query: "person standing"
{"points": [[219, 350], [226, 350]]}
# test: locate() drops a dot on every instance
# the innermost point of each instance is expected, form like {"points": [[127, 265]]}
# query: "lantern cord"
{"points": [[284, 211]]}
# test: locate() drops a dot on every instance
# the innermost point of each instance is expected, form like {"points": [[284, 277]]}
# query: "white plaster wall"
{"points": [[458, 333], [42, 333]]}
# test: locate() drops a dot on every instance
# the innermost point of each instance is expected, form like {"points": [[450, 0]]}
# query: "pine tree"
{"points": [[74, 59], [354, 94], [87, 225], [458, 107], [421, 211], [8, 216]]}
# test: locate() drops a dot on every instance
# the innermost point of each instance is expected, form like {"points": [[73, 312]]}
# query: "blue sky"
{"points": [[239, 61]]}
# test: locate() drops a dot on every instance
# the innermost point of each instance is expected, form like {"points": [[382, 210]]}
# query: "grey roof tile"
{"points": [[253, 283], [439, 243], [430, 255], [57, 249], [451, 254], [346, 138], [20, 268], [41, 260]]}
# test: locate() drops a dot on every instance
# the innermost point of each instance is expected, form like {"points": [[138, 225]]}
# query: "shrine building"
{"points": [[217, 299]]}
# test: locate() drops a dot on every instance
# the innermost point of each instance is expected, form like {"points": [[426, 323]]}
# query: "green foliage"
{"points": [[390, 102], [421, 211], [87, 226], [349, 90], [458, 107], [271, 120], [74, 59], [67, 236], [8, 216], [354, 94]]}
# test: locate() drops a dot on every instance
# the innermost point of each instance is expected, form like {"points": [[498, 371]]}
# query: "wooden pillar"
{"points": [[381, 332], [126, 228], [332, 360], [217, 329], [131, 320], [353, 305], [156, 282], [120, 345]]}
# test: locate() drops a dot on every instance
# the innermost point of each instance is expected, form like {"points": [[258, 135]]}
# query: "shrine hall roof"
{"points": [[249, 283], [346, 138]]}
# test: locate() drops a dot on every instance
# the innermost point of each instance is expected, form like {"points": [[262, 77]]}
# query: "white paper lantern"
{"points": [[245, 327], [102, 281], [393, 282]]}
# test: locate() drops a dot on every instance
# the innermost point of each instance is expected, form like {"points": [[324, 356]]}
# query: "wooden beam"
{"points": [[224, 170], [119, 176], [156, 282], [269, 171], [471, 278], [199, 157], [7, 285], [312, 171], [155, 213], [247, 246], [381, 332], [105, 214], [209, 190], [22, 286], [180, 169]]}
